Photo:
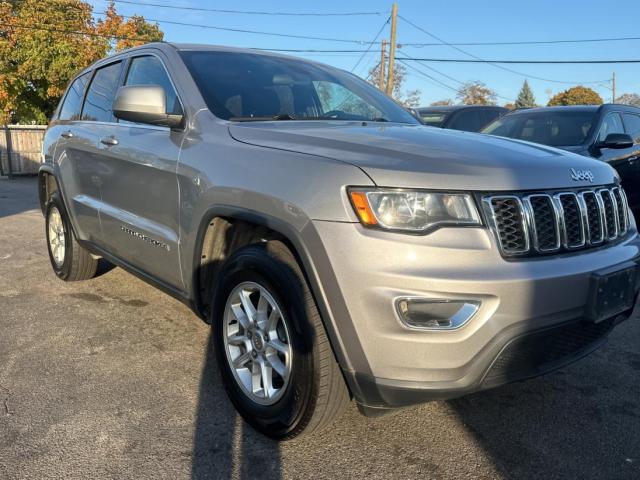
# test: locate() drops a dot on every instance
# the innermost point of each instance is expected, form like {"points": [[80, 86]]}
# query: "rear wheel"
{"points": [[69, 260], [274, 355]]}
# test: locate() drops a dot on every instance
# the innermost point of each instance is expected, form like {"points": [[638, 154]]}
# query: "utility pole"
{"points": [[613, 87], [392, 48], [383, 61]]}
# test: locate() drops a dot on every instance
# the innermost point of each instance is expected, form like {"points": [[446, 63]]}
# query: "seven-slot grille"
{"points": [[557, 221]]}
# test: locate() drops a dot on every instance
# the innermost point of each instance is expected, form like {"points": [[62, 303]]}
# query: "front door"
{"points": [[140, 196]]}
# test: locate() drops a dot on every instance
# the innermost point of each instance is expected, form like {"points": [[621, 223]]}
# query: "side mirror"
{"points": [[616, 140], [144, 104]]}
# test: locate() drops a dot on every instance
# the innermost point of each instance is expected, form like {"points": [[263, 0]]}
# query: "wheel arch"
{"points": [[268, 228]]}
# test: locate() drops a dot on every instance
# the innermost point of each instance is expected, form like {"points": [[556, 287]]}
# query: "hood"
{"points": [[397, 155]]}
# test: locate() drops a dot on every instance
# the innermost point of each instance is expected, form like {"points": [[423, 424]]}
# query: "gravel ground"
{"points": [[110, 379]]}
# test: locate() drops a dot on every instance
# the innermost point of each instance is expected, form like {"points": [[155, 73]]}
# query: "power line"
{"points": [[481, 60], [252, 12], [524, 42], [255, 32], [370, 44], [526, 62]]}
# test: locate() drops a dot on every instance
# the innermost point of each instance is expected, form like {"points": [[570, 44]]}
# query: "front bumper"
{"points": [[524, 305]]}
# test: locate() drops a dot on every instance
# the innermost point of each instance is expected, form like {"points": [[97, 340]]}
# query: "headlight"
{"points": [[413, 210]]}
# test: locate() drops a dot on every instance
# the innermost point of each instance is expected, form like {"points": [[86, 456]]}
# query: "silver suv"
{"points": [[339, 248]]}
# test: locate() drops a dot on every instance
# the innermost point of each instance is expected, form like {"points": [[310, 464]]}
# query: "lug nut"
{"points": [[254, 354]]}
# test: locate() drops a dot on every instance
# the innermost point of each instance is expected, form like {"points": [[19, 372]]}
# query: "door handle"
{"points": [[67, 134], [632, 159], [109, 141]]}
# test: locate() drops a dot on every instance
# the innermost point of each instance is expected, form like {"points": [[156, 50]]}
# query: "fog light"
{"points": [[434, 313]]}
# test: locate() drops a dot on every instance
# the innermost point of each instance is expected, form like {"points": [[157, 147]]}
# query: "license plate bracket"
{"points": [[612, 291]]}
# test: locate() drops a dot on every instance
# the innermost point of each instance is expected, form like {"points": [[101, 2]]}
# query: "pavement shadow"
{"points": [[581, 421], [225, 446], [18, 195]]}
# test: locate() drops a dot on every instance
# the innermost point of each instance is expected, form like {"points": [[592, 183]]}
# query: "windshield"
{"points": [[554, 128], [250, 87]]}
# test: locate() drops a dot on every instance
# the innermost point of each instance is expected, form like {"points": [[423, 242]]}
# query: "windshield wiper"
{"points": [[264, 118]]}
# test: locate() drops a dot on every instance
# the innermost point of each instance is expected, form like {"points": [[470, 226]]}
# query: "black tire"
{"points": [[316, 393], [78, 264]]}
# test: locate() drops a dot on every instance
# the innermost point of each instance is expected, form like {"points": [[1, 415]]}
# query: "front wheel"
{"points": [[276, 362]]}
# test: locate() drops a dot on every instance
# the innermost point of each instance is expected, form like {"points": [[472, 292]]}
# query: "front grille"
{"points": [[553, 222]]}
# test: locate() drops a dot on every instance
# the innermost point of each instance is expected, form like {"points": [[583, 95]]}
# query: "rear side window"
{"points": [[632, 123], [97, 106], [72, 103], [612, 123], [148, 70]]}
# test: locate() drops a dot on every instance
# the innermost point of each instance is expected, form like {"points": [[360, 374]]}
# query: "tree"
{"points": [[408, 99], [576, 96], [510, 106], [525, 97], [476, 93], [126, 34], [36, 64], [629, 99], [442, 103]]}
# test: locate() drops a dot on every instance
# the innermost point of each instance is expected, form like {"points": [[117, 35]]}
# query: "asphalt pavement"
{"points": [[110, 378]]}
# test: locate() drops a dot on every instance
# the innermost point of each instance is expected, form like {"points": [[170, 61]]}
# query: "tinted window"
{"points": [[73, 100], [150, 71], [612, 123], [555, 128], [246, 86], [632, 122], [102, 90]]}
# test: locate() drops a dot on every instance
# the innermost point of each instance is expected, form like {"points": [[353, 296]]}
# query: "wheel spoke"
{"points": [[242, 360], [272, 323], [237, 339], [279, 346], [261, 311], [265, 370], [241, 316], [277, 365], [249, 309]]}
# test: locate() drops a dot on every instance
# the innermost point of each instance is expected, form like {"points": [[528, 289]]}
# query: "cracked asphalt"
{"points": [[110, 378]]}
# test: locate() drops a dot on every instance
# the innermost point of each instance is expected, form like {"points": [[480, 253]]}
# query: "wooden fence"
{"points": [[20, 147]]}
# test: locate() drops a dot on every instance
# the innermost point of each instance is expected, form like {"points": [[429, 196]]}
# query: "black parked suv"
{"points": [[608, 132], [469, 118]]}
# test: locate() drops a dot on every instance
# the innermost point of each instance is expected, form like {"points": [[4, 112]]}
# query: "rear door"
{"points": [[630, 171], [140, 201], [75, 157]]}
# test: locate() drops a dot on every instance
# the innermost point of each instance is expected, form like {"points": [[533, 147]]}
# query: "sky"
{"points": [[454, 21]]}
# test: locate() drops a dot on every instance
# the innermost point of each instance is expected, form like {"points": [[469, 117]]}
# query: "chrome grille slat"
{"points": [[557, 221]]}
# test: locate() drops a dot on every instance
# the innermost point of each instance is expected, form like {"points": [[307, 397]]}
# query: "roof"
{"points": [[576, 108]]}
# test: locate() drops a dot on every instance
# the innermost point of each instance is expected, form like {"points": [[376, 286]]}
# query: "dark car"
{"points": [[608, 132], [469, 118]]}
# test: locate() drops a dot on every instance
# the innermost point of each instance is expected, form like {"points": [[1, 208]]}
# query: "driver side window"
{"points": [[612, 123], [334, 97]]}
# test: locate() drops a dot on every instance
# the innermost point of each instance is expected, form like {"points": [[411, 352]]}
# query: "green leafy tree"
{"points": [[525, 98], [43, 44], [576, 96], [476, 93]]}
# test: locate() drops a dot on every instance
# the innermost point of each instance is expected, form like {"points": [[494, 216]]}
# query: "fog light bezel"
{"points": [[468, 309]]}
